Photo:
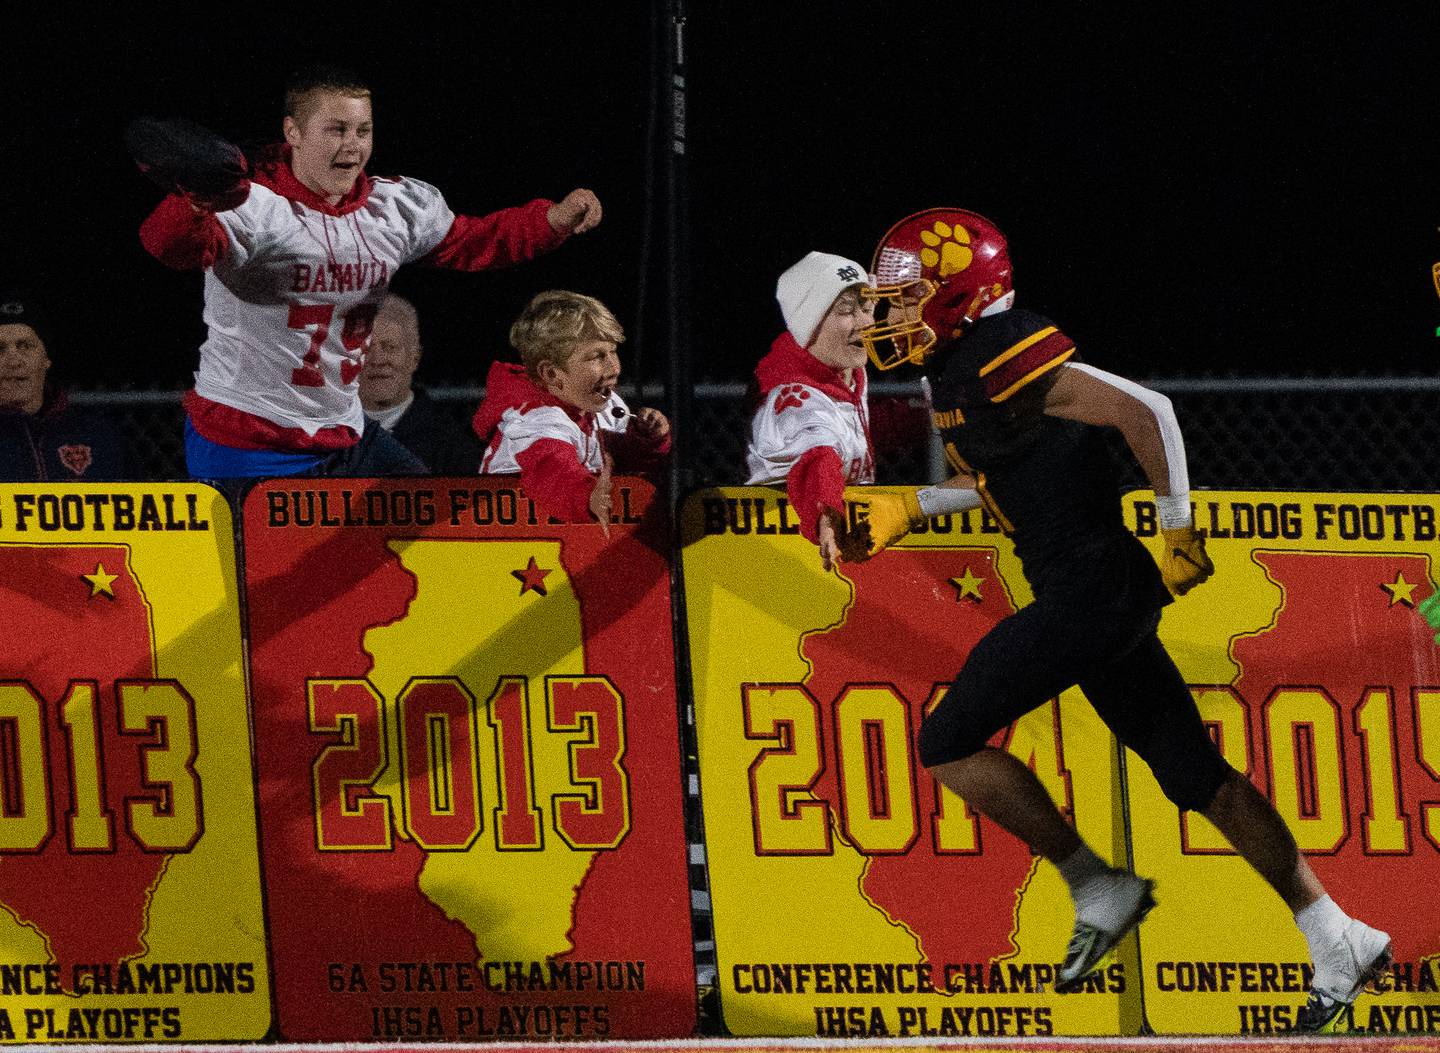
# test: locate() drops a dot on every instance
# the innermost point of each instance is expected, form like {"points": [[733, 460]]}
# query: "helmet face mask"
{"points": [[899, 334], [936, 273]]}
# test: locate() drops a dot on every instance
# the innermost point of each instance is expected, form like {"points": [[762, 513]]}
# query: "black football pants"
{"points": [[1117, 660]]}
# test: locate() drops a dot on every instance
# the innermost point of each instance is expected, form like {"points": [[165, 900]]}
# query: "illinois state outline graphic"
{"points": [[484, 810], [76, 622]]}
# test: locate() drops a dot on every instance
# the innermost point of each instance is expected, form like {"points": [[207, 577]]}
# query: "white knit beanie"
{"points": [[807, 290]]}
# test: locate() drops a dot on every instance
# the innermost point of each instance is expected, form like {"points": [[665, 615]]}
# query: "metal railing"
{"points": [[1262, 433]]}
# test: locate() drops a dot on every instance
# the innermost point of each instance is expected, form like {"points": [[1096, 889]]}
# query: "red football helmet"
{"points": [[938, 271]]}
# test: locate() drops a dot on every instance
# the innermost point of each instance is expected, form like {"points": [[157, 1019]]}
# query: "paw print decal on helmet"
{"points": [[946, 245], [937, 272]]}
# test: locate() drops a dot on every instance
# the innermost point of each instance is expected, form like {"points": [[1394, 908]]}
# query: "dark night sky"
{"points": [[1227, 192]]}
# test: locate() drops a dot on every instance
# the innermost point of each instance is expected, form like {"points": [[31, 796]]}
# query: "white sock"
{"points": [[1321, 922], [1081, 867]]}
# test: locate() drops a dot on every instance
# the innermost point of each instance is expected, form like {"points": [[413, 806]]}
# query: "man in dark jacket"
{"points": [[406, 412], [43, 438]]}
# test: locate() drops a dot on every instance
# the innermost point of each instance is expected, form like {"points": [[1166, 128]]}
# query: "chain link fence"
{"points": [[1378, 433]]}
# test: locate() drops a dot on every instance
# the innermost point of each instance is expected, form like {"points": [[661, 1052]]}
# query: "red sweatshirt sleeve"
{"points": [[501, 239], [552, 474], [817, 478], [179, 237]]}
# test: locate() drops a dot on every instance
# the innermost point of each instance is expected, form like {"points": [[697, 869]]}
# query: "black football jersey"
{"points": [[1052, 484]]}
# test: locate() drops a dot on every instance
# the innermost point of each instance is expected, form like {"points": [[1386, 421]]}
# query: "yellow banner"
{"points": [[1311, 661], [851, 895], [129, 865]]}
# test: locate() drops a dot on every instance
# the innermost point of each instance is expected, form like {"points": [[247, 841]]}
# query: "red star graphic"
{"points": [[532, 577]]}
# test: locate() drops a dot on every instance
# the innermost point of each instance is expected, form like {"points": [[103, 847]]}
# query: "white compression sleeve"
{"points": [[1175, 509], [943, 500]]}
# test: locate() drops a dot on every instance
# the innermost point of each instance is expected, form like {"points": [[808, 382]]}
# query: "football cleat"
{"points": [[1342, 971], [1088, 944]]}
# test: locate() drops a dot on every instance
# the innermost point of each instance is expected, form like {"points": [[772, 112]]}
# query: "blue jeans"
{"points": [[377, 453]]}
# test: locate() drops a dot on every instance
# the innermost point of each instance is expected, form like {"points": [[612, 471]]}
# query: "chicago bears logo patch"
{"points": [[76, 457]]}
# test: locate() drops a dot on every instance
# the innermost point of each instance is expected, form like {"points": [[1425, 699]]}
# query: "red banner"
{"points": [[467, 747]]}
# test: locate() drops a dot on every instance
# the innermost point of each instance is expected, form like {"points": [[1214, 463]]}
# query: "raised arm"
{"points": [[183, 236], [515, 235], [201, 173]]}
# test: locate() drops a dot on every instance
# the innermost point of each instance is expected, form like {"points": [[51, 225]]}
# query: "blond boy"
{"points": [[555, 419]]}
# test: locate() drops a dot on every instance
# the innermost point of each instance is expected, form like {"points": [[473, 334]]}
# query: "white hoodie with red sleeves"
{"points": [[292, 284], [555, 448], [810, 429]]}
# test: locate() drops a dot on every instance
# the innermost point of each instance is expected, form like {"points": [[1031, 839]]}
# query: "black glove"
{"points": [[182, 157]]}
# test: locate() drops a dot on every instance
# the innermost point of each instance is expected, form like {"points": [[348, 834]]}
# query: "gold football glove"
{"points": [[1184, 563], [891, 515]]}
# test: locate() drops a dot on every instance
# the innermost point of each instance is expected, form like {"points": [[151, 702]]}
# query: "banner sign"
{"points": [[468, 754], [851, 895], [129, 865], [1320, 678]]}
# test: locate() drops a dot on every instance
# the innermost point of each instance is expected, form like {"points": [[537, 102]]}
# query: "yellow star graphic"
{"points": [[100, 582], [968, 585], [1400, 590]]}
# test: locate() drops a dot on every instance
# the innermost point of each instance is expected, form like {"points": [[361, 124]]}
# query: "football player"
{"points": [[1022, 416]]}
